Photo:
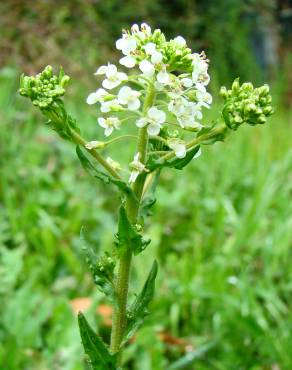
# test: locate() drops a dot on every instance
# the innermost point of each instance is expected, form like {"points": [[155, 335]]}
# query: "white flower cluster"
{"points": [[177, 77]]}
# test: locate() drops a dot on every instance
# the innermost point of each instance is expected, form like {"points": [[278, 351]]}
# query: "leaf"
{"points": [[190, 357], [104, 177], [127, 236], [178, 163], [149, 200], [94, 347], [102, 269], [139, 309]]}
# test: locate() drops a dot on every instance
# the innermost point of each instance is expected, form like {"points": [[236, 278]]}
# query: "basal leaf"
{"points": [[139, 309], [102, 176], [99, 356], [127, 236]]}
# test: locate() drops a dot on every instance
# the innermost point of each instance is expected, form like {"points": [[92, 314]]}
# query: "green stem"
{"points": [[197, 141], [123, 274], [80, 141]]}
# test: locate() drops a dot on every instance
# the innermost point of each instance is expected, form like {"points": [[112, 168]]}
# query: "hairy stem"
{"points": [[123, 274]]}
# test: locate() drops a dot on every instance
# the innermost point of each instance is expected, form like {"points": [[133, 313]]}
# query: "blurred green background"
{"points": [[221, 230]]}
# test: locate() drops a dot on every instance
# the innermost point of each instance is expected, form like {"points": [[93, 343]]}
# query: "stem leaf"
{"points": [[178, 163], [99, 356], [127, 236], [139, 309]]}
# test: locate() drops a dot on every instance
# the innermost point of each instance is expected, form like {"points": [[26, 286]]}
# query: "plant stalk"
{"points": [[123, 274]]}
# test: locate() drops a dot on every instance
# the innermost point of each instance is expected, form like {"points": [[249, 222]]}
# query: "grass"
{"points": [[221, 231]]}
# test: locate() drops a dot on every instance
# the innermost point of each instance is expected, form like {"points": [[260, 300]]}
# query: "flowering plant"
{"points": [[163, 97]]}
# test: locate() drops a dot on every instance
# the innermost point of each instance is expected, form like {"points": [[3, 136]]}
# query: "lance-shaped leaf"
{"points": [[139, 309], [99, 356], [127, 236], [102, 269], [178, 163], [104, 177]]}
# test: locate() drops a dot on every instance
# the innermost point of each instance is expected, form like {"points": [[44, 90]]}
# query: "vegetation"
{"points": [[221, 233]]}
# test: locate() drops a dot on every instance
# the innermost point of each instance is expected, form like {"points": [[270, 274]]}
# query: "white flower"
{"points": [[154, 119], [204, 98], [187, 82], [114, 78], [146, 29], [180, 41], [135, 28], [163, 77], [137, 167], [178, 146], [129, 97], [147, 68], [128, 61], [126, 44], [150, 48], [95, 145], [107, 106], [178, 106], [96, 96], [115, 165], [109, 124], [156, 57]]}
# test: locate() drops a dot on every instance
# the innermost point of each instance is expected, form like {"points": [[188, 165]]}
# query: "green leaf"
{"points": [[127, 236], [149, 200], [102, 269], [99, 356], [139, 309], [104, 177], [178, 163]]}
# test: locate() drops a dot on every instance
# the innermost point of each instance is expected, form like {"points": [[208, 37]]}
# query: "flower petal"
{"points": [[128, 61], [147, 68], [153, 129]]}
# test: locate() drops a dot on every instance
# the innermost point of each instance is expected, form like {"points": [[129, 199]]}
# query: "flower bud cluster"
{"points": [[246, 104], [44, 88]]}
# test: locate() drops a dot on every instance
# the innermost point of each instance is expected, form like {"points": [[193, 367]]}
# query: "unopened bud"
{"points": [[95, 145]]}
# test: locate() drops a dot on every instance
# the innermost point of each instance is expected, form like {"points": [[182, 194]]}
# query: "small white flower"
{"points": [[115, 165], [126, 44], [129, 97], [107, 106], [180, 41], [114, 78], [178, 146], [178, 106], [95, 145], [156, 57], [128, 61], [96, 96], [109, 124], [163, 77], [135, 28], [154, 120], [150, 48], [147, 68], [146, 29], [204, 98], [187, 82], [137, 168]]}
